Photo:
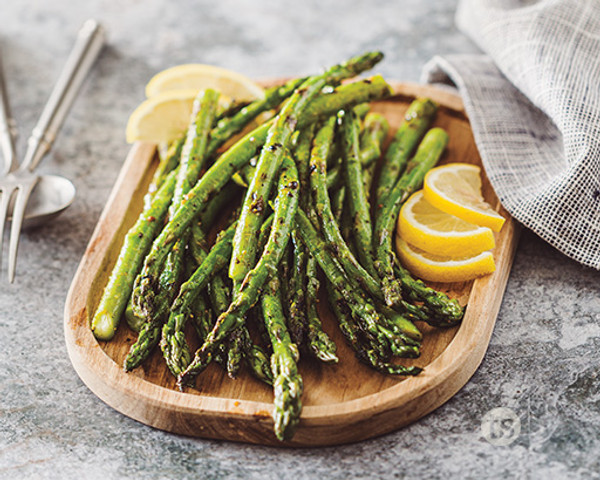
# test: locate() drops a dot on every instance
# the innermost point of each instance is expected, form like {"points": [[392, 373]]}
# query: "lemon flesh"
{"points": [[197, 76], [428, 228], [456, 189], [165, 115], [162, 118], [437, 268]]}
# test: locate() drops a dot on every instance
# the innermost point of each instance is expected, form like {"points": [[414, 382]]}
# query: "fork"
{"points": [[19, 180]]}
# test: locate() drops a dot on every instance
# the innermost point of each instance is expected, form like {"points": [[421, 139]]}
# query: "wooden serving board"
{"points": [[343, 403]]}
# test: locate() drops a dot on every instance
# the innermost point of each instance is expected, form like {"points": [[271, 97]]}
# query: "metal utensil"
{"points": [[51, 196], [21, 181], [53, 193]]}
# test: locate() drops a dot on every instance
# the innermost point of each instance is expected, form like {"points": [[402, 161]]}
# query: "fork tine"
{"points": [[24, 190], [5, 195]]}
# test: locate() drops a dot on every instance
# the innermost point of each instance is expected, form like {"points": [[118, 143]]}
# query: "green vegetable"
{"points": [[149, 334], [362, 309], [428, 154], [250, 289], [372, 137], [165, 166], [277, 141], [173, 344], [287, 382], [227, 127], [319, 343], [327, 220], [363, 349], [362, 232], [150, 305], [417, 119], [318, 218], [371, 144], [235, 158], [135, 246], [443, 311]]}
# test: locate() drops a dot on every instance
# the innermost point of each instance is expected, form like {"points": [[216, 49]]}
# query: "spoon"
{"points": [[51, 196], [52, 193]]}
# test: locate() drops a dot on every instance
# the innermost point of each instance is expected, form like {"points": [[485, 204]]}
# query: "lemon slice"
{"points": [[161, 118], [430, 229], [437, 268], [164, 117], [456, 189], [197, 76]]}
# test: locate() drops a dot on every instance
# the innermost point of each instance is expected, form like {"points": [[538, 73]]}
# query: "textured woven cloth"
{"points": [[534, 105]]}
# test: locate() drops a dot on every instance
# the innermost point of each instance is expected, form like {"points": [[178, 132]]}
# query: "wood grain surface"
{"points": [[342, 403]]}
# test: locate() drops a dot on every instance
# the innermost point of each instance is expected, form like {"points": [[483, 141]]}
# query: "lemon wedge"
{"points": [[162, 118], [197, 76], [437, 268], [456, 189], [429, 229], [165, 115]]}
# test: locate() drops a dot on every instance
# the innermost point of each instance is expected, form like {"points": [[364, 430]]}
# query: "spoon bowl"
{"points": [[49, 198]]}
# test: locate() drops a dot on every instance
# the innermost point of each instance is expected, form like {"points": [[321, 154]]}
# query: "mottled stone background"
{"points": [[543, 361]]}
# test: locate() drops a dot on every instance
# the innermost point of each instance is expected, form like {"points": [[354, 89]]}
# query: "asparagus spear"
{"points": [[232, 108], [428, 154], [235, 158], [258, 359], [418, 117], [362, 309], [195, 149], [201, 315], [165, 166], [278, 139], [371, 138], [173, 342], [260, 364], [240, 345], [362, 110], [227, 127], [319, 343], [297, 321], [444, 311], [329, 223], [149, 334], [152, 305], [364, 351], [343, 96], [248, 294], [371, 141], [327, 220], [219, 295], [287, 382], [239, 341], [193, 158], [306, 283], [233, 349], [135, 246], [358, 203], [297, 313]]}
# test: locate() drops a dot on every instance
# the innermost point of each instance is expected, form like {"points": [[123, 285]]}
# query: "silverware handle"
{"points": [[85, 51], [8, 128]]}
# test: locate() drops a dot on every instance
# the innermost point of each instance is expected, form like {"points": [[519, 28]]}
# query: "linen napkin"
{"points": [[534, 105]]}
